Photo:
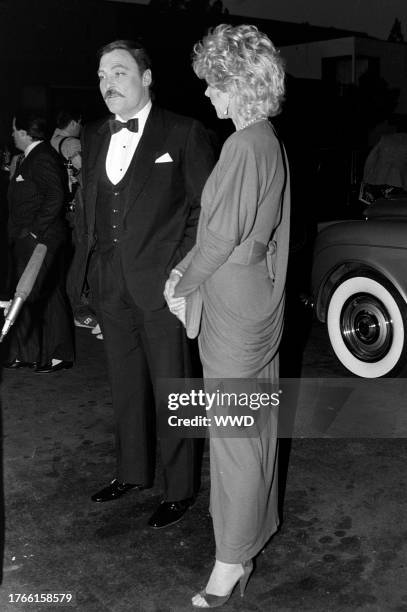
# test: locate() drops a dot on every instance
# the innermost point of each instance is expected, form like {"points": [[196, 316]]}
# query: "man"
{"points": [[42, 335], [66, 142], [143, 171], [65, 138]]}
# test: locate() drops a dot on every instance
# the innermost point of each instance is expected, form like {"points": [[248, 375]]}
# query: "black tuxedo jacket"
{"points": [[161, 218], [37, 196]]}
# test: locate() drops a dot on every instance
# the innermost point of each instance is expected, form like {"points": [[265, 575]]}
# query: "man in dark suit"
{"points": [[143, 172], [37, 194]]}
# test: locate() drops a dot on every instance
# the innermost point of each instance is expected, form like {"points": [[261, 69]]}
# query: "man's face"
{"points": [[123, 88], [19, 137]]}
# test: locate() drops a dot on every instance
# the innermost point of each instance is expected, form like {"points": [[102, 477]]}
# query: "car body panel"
{"points": [[378, 245]]}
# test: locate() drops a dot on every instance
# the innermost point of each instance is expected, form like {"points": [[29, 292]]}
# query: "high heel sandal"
{"points": [[215, 601]]}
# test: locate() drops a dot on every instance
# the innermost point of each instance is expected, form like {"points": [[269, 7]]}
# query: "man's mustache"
{"points": [[112, 92]]}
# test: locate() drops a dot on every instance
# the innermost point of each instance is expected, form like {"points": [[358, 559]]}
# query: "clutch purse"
{"points": [[193, 313]]}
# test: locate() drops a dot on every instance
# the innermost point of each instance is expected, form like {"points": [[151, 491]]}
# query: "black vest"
{"points": [[111, 204]]}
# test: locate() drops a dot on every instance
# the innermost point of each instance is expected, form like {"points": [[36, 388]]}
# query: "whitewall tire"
{"points": [[367, 326]]}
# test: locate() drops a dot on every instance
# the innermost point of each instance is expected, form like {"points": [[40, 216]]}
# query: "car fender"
{"points": [[349, 248]]}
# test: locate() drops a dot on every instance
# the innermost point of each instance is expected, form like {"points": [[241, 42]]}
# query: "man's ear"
{"points": [[147, 78]]}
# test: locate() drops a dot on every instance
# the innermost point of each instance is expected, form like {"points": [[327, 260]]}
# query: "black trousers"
{"points": [[44, 327], [142, 346]]}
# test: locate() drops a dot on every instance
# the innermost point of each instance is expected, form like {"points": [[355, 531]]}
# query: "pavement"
{"points": [[342, 544]]}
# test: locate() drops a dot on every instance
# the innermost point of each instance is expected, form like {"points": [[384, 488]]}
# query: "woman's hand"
{"points": [[176, 305]]}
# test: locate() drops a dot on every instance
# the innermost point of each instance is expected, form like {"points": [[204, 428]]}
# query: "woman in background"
{"points": [[237, 270]]}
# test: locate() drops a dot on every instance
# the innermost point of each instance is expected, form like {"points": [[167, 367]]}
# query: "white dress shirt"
{"points": [[123, 145]]}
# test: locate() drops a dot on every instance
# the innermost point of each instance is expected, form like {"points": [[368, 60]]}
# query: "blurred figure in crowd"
{"points": [[65, 138], [385, 170], [66, 142], [5, 160], [42, 336]]}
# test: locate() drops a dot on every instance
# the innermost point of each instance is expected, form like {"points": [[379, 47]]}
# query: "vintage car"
{"points": [[359, 288]]}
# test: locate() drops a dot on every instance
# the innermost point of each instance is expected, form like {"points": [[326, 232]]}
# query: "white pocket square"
{"points": [[164, 159], [19, 178]]}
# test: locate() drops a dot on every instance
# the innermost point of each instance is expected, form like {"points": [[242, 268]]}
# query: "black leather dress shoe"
{"points": [[115, 490], [48, 367], [169, 513], [15, 365]]}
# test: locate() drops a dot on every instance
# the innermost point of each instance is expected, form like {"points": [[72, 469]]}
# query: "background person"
{"points": [[245, 205], [385, 170], [143, 173], [66, 141], [42, 334], [65, 138]]}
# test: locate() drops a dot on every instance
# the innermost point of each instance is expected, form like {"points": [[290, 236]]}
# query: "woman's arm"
{"points": [[236, 193]]}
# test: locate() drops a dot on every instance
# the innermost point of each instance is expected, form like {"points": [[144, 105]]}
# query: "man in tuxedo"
{"points": [[144, 169], [43, 334]]}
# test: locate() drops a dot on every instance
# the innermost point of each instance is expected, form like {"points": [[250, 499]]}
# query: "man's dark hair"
{"points": [[65, 116], [135, 48], [33, 122]]}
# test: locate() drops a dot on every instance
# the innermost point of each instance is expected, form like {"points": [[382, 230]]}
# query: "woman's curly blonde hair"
{"points": [[244, 62]]}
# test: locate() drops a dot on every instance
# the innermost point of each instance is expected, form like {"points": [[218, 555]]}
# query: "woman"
{"points": [[245, 208]]}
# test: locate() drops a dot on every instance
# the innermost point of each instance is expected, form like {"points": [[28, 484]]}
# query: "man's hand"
{"points": [[176, 305], [5, 306]]}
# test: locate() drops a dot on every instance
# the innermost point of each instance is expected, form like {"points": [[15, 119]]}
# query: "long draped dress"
{"points": [[238, 268]]}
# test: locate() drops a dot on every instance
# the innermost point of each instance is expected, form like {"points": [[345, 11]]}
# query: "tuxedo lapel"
{"points": [[150, 145], [101, 147], [25, 162], [19, 163], [98, 148], [23, 170]]}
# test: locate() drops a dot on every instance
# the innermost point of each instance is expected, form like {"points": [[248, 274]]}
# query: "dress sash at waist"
{"points": [[248, 253]]}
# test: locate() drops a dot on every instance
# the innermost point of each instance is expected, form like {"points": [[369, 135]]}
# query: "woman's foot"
{"points": [[222, 581]]}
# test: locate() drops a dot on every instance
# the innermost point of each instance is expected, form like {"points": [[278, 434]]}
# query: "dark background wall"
{"points": [[48, 60], [47, 51]]}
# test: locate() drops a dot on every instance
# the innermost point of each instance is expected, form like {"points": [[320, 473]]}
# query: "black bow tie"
{"points": [[116, 125]]}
